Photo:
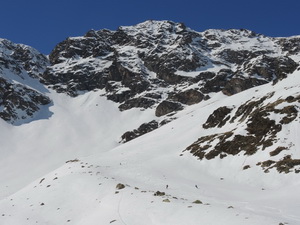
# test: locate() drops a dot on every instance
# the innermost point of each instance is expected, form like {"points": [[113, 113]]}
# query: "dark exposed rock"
{"points": [[20, 59], [262, 131], [246, 167], [271, 68], [290, 45], [226, 144], [218, 82], [15, 98], [284, 165], [137, 103], [197, 202], [244, 110], [159, 193], [119, 97], [237, 57], [143, 129], [218, 118], [291, 114], [155, 54], [260, 125], [236, 85], [153, 95], [120, 186], [277, 150], [166, 107], [188, 97], [204, 76], [21, 96]]}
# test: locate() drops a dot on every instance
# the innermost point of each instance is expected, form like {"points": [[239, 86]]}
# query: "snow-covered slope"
{"points": [[83, 190], [157, 124]]}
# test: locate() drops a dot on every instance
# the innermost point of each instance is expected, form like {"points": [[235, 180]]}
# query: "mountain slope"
{"points": [[83, 191], [207, 117]]}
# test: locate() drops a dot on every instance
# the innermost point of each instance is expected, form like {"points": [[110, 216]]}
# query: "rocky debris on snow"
{"points": [[197, 202], [285, 165], [120, 186], [72, 161], [159, 193], [188, 97], [262, 131], [141, 130], [137, 103], [218, 118]]}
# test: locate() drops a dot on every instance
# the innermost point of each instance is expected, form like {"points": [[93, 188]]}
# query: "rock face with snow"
{"points": [[20, 68], [156, 64], [185, 66]]}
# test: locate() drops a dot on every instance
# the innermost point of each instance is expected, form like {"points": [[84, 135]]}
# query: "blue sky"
{"points": [[43, 23]]}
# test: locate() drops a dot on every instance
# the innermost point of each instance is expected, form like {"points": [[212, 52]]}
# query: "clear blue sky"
{"points": [[44, 23]]}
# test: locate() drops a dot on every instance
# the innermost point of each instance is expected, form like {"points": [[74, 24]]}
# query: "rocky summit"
{"points": [[151, 124]]}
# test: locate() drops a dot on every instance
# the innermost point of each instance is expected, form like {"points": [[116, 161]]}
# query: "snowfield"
{"points": [[65, 169]]}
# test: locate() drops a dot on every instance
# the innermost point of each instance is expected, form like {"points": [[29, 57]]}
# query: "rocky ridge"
{"points": [[157, 61], [21, 95]]}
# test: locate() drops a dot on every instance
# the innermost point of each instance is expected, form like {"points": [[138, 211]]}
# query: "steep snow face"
{"points": [[22, 95], [78, 127]]}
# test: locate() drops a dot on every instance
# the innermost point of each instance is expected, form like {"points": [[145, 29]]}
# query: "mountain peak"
{"points": [[154, 27]]}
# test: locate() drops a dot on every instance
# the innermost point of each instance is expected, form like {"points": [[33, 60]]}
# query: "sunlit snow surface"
{"points": [[39, 187]]}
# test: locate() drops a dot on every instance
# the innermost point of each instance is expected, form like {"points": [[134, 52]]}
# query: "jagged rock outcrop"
{"points": [[21, 94], [188, 97], [19, 102], [21, 60], [167, 107], [218, 118], [263, 119], [141, 130]]}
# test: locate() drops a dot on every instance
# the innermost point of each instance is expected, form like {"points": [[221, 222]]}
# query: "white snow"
{"points": [[38, 187]]}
